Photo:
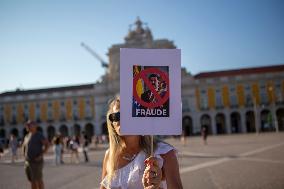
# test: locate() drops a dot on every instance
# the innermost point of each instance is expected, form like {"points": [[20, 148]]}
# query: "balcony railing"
{"points": [[62, 119], [219, 107], [234, 106], [204, 108], [249, 105], [50, 120]]}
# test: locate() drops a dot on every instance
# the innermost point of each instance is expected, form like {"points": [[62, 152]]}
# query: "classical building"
{"points": [[68, 110], [234, 101], [229, 101]]}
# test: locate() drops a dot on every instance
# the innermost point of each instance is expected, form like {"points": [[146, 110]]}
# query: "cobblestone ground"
{"points": [[229, 161]]}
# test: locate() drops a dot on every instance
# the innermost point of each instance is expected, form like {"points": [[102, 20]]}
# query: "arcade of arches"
{"points": [[75, 130], [265, 119], [51, 131], [266, 124]]}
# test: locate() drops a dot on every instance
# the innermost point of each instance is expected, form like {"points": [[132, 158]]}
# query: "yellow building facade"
{"points": [[65, 110], [234, 101]]}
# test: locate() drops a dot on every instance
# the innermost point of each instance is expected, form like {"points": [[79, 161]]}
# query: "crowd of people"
{"points": [[60, 145]]}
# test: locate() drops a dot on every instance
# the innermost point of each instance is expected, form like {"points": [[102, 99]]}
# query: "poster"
{"points": [[150, 91]]}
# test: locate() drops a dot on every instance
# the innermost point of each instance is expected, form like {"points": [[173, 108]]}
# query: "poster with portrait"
{"points": [[150, 91]]}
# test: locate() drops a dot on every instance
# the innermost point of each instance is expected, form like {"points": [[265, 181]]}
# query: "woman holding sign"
{"points": [[128, 164]]}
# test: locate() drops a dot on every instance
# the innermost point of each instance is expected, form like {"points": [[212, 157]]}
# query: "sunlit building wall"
{"points": [[234, 101], [65, 110]]}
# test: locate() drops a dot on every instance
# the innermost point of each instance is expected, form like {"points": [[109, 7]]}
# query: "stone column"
{"points": [[195, 122], [213, 123], [228, 122], [243, 122]]}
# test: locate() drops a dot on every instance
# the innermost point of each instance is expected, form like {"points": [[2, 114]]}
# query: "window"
{"points": [[2, 122], [204, 102], [62, 111], [263, 94], [75, 114], [88, 102], [203, 99], [278, 92], [233, 97], [249, 100], [185, 105], [88, 109], [1, 110], [14, 115], [219, 103], [26, 112], [37, 112], [49, 111], [49, 104], [75, 110], [1, 116], [248, 95]]}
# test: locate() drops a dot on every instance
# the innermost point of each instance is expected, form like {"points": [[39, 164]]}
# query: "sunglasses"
{"points": [[114, 117]]}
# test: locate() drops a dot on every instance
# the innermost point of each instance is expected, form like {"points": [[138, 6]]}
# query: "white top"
{"points": [[130, 176]]}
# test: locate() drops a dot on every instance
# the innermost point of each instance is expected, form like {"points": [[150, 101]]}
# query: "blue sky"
{"points": [[40, 40]]}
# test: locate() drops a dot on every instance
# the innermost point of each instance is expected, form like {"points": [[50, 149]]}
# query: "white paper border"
{"points": [[171, 125]]}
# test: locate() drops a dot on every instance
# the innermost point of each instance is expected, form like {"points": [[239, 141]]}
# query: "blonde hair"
{"points": [[116, 143]]}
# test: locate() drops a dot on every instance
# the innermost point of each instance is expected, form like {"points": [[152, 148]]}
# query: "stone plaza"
{"points": [[227, 161]]}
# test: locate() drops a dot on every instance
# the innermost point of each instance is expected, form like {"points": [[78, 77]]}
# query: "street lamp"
{"points": [[270, 88]]}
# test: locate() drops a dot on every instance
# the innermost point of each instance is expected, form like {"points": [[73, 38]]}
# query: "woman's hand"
{"points": [[152, 175]]}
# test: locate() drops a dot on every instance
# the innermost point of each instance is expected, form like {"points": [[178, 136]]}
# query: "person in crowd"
{"points": [[204, 134], [35, 145], [74, 146], [85, 146], [1, 149], [57, 147], [62, 142], [13, 143], [128, 163]]}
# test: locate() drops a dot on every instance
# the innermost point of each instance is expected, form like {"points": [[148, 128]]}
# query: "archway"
{"points": [[89, 130], [50, 132], [235, 122], [2, 133], [205, 121], [266, 120], [250, 122], [64, 130], [187, 126], [2, 121], [220, 123], [77, 130], [280, 118], [15, 132], [104, 129]]}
